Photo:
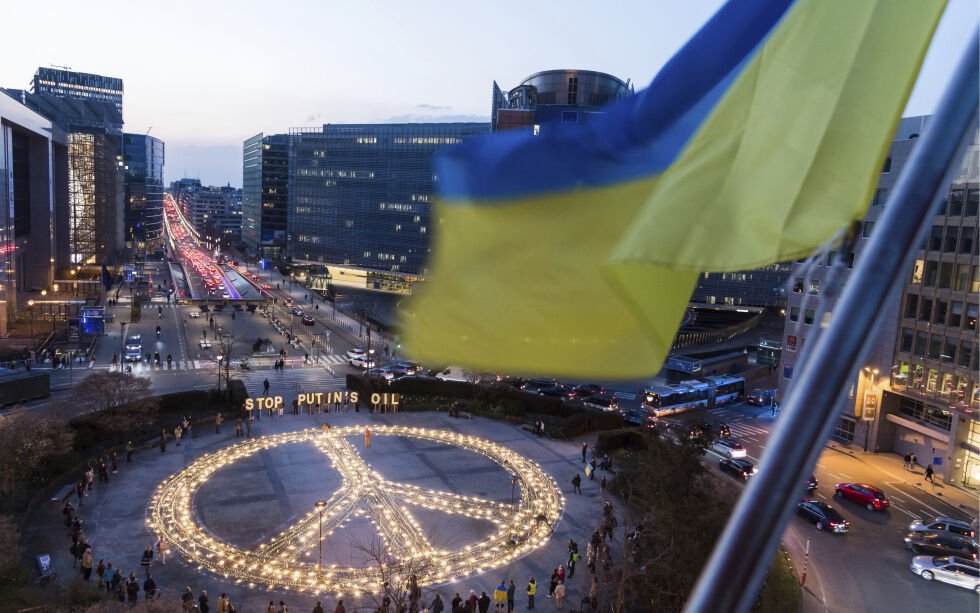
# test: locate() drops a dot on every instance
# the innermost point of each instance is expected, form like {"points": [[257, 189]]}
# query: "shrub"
{"points": [[63, 463], [622, 438], [590, 421]]}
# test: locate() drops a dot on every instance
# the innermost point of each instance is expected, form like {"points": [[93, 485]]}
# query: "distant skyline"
{"points": [[204, 76]]}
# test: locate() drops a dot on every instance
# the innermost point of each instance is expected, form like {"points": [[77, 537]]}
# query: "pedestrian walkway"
{"points": [[290, 381]]}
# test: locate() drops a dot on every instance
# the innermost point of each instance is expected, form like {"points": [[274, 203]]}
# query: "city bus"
{"points": [[726, 388], [692, 394]]}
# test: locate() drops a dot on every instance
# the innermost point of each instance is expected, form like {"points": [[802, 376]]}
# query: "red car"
{"points": [[862, 493]]}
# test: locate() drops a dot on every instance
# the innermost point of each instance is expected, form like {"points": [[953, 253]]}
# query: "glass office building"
{"points": [[143, 157], [265, 177], [78, 85], [359, 194]]}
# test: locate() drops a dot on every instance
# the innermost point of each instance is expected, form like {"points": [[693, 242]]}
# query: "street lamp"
{"points": [[320, 504], [868, 423], [370, 359], [30, 307]]}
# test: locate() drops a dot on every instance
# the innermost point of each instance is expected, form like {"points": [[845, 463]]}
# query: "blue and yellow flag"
{"points": [[575, 251]]}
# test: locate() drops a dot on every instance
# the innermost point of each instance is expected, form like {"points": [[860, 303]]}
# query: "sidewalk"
{"points": [[891, 463]]}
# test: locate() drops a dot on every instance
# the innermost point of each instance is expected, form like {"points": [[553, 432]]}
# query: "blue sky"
{"points": [[208, 74]]}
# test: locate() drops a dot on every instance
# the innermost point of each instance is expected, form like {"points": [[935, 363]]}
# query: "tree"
{"points": [[119, 401], [26, 442], [398, 577]]}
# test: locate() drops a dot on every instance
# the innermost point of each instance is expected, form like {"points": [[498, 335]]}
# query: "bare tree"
{"points": [[398, 577], [118, 401], [27, 440]]}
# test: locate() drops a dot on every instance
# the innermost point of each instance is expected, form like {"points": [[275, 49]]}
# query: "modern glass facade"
{"points": [[265, 177], [214, 212], [359, 194], [95, 215], [79, 85], [143, 157], [567, 96], [761, 287]]}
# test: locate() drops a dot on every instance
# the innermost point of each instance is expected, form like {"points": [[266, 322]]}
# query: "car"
{"points": [[355, 352], [517, 383], [453, 373], [719, 429], [944, 524], [308, 321], [941, 543], [288, 302], [266, 286], [740, 469], [536, 384], [952, 570], [759, 397], [822, 515], [811, 484], [862, 493], [641, 417], [606, 402], [225, 295], [298, 311], [362, 361], [194, 314], [556, 391], [204, 343], [729, 447], [583, 391]]}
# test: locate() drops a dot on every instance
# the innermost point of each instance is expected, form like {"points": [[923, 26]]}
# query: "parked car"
{"points": [[536, 384], [642, 417], [956, 571], [584, 391], [862, 493], [944, 524], [453, 373], [518, 383], [729, 447], [942, 544], [740, 469], [822, 515], [811, 484], [205, 344], [308, 321], [298, 311], [719, 429], [194, 314], [356, 352]]}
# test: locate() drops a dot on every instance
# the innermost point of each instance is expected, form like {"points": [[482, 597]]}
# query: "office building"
{"points": [[760, 287], [33, 206], [143, 159], [359, 197], [64, 83], [917, 391], [566, 96], [214, 212], [265, 178]]}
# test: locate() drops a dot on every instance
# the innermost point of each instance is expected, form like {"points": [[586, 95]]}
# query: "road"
{"points": [[866, 569]]}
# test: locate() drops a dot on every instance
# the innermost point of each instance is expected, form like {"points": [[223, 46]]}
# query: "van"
{"points": [[454, 373]]}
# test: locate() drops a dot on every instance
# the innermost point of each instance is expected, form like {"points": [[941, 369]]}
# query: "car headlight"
{"points": [[908, 540]]}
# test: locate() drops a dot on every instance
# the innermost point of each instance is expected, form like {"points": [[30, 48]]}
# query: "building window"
{"points": [[831, 258], [955, 315], [849, 260], [808, 316], [971, 317], [911, 305], [950, 245], [961, 277], [972, 200], [945, 275], [798, 285], [917, 272], [939, 313], [791, 342], [929, 278], [787, 371], [935, 346], [814, 287], [925, 310], [920, 344], [907, 336], [949, 350], [844, 429], [868, 227], [794, 313], [935, 239], [975, 280], [966, 240], [926, 414]]}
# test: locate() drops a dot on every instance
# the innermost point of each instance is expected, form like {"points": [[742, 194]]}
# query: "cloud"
{"points": [[314, 117], [434, 107], [413, 118]]}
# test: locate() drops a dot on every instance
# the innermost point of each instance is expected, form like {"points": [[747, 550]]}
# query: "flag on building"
{"points": [[106, 278], [575, 251]]}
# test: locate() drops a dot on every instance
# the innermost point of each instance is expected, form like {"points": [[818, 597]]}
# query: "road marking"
{"points": [[893, 497], [912, 515], [822, 496], [937, 512], [846, 476]]}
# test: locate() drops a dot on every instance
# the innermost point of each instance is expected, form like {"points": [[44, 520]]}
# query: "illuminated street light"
{"points": [[319, 511]]}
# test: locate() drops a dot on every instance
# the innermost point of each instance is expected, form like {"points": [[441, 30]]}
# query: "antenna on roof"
{"points": [[64, 67]]}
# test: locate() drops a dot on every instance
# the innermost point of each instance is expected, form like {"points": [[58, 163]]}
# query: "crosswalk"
{"points": [[260, 364], [739, 428], [291, 381]]}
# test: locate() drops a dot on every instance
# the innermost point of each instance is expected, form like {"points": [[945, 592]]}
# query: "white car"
{"points": [[362, 361], [355, 353], [453, 373], [957, 571], [194, 314], [729, 448], [205, 344]]}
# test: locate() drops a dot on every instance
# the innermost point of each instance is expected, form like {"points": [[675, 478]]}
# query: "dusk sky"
{"points": [[207, 75]]}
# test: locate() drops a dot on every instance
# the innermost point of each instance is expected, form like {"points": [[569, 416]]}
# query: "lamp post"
{"points": [[868, 423], [320, 504], [30, 307], [370, 360]]}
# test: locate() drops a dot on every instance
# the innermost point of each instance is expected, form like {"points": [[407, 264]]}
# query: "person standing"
{"points": [[265, 385], [107, 576], [217, 423], [149, 587], [147, 560], [511, 588], [282, 607], [317, 609], [929, 474], [202, 602], [248, 427], [87, 563], [602, 486], [271, 608], [908, 461], [340, 607], [576, 484], [457, 603], [585, 449], [483, 603], [223, 604], [437, 605], [115, 463], [532, 589], [163, 440], [559, 594], [500, 597], [367, 436], [592, 467], [914, 462], [129, 452], [162, 548], [594, 594], [133, 588], [238, 428], [178, 432], [561, 574], [99, 572]]}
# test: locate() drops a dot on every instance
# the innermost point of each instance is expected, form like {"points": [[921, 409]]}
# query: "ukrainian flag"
{"points": [[575, 251]]}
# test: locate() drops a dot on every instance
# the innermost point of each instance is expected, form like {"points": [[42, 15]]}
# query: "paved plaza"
{"points": [[434, 491]]}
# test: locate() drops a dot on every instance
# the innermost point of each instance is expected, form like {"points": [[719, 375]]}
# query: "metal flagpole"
{"points": [[730, 580]]}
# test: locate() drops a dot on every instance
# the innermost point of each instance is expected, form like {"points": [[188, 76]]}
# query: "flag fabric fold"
{"points": [[575, 251]]}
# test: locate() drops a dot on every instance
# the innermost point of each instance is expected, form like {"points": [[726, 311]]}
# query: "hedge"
{"points": [[621, 438]]}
